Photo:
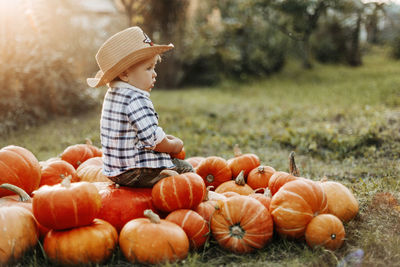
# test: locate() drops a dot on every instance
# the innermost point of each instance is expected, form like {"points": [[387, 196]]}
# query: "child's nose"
{"points": [[154, 74]]}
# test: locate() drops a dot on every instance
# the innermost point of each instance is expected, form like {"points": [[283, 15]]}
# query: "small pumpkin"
{"points": [[295, 205], [264, 198], [259, 177], [89, 244], [241, 224], [66, 205], [92, 170], [181, 155], [194, 225], [153, 240], [79, 153], [325, 230], [178, 191], [242, 162], [18, 166], [279, 178], [18, 231], [195, 161], [341, 201], [214, 171], [238, 186], [54, 171]]}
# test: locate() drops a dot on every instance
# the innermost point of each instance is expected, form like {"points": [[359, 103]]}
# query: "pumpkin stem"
{"points": [[168, 173], [208, 188], [23, 196], [292, 165], [210, 178], [261, 169], [237, 231], [153, 217], [236, 150], [267, 192], [240, 179], [66, 182], [324, 179], [333, 236], [88, 141]]}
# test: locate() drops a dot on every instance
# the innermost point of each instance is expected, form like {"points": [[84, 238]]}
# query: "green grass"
{"points": [[342, 123]]}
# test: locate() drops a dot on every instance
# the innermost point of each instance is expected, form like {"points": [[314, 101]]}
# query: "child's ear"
{"points": [[123, 76]]}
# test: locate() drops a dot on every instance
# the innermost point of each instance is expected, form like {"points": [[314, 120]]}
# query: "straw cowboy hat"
{"points": [[122, 51]]}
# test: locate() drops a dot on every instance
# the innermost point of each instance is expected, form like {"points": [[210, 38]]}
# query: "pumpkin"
{"points": [[79, 153], [21, 199], [178, 191], [214, 171], [238, 186], [66, 205], [245, 162], [56, 170], [90, 244], [279, 178], [181, 155], [325, 230], [206, 209], [18, 166], [264, 198], [194, 225], [241, 224], [18, 231], [194, 161], [259, 177], [341, 202], [294, 206], [136, 201], [153, 240], [92, 170]]}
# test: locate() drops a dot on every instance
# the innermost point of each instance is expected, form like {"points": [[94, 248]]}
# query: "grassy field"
{"points": [[342, 123]]}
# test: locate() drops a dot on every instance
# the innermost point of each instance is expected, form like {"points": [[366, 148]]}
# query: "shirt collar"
{"points": [[129, 86]]}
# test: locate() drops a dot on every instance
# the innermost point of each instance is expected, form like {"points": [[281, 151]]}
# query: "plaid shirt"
{"points": [[129, 131]]}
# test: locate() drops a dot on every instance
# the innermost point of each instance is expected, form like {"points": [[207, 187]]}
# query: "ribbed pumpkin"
{"points": [[21, 199], [194, 225], [18, 233], [245, 162], [238, 186], [178, 191], [264, 198], [92, 170], [259, 177], [135, 202], [79, 153], [153, 240], [54, 171], [90, 244], [18, 166], [295, 204], [206, 209], [325, 230], [241, 224], [279, 178], [180, 155], [66, 205], [195, 161], [214, 171], [341, 202]]}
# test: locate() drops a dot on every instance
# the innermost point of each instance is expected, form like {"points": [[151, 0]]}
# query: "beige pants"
{"points": [[147, 177]]}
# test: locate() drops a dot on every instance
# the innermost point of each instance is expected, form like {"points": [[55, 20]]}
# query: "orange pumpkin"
{"points": [[92, 170], [279, 178], [79, 153], [241, 224], [259, 177], [206, 209], [295, 204], [238, 186], [178, 191], [18, 231], [193, 224], [153, 240], [194, 161], [325, 230], [264, 198], [214, 171], [18, 166], [66, 205], [341, 202], [181, 155], [54, 171], [245, 162], [90, 244]]}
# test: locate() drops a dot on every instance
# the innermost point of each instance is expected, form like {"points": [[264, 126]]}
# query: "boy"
{"points": [[135, 148]]}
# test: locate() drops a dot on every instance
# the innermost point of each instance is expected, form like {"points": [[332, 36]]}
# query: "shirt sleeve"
{"points": [[143, 118]]}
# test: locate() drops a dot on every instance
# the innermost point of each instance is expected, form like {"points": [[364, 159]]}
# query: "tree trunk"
{"points": [[354, 58], [306, 55]]}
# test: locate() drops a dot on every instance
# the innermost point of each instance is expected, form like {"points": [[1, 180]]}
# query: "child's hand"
{"points": [[180, 155]]}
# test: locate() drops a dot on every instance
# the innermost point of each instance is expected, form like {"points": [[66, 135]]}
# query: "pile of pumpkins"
{"points": [[81, 216]]}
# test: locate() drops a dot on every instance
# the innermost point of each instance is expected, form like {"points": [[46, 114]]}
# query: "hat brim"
{"points": [[135, 57]]}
